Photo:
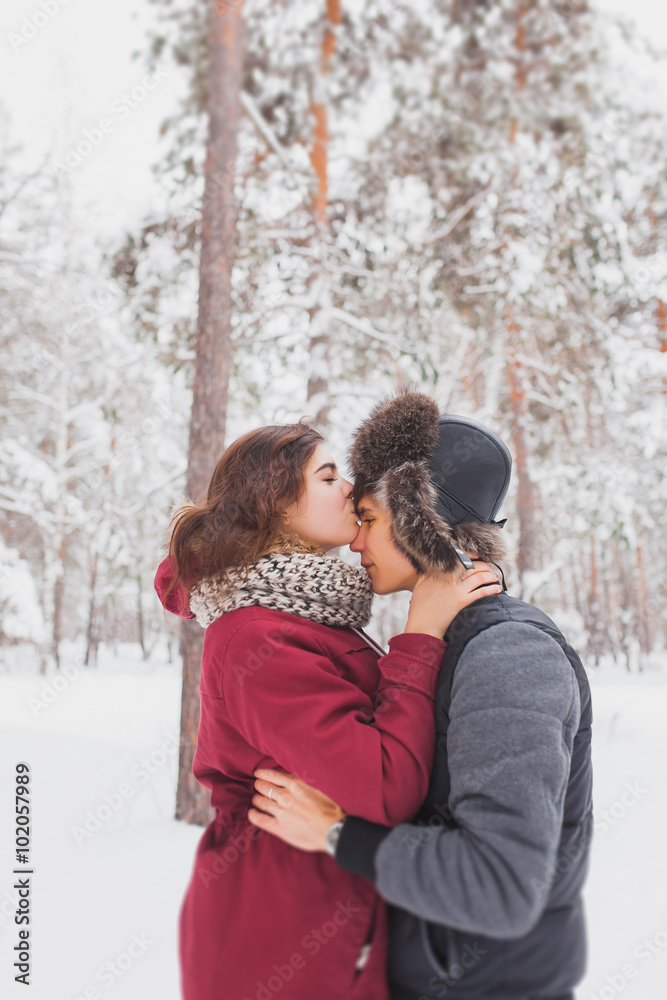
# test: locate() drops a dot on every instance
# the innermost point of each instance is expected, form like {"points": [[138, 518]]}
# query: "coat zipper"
{"points": [[371, 642]]}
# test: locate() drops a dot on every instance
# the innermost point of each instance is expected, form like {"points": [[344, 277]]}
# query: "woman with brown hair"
{"points": [[290, 680]]}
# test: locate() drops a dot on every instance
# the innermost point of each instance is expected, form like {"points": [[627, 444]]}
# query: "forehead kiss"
{"points": [[437, 480]]}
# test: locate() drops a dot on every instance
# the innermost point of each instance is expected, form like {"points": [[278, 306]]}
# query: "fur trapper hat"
{"points": [[432, 473]]}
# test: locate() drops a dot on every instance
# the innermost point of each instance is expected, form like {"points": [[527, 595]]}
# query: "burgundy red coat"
{"points": [[277, 690]]}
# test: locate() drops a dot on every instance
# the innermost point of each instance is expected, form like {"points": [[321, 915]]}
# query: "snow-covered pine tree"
{"points": [[511, 118], [493, 193], [91, 439]]}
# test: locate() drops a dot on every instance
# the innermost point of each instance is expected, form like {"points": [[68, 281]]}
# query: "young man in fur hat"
{"points": [[485, 884]]}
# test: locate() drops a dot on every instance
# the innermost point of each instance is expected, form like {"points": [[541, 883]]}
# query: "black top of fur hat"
{"points": [[468, 467]]}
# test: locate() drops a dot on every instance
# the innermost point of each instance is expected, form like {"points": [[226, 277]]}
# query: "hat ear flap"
{"points": [[407, 493]]}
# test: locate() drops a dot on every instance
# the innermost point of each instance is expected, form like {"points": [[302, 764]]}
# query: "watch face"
{"points": [[333, 836]]}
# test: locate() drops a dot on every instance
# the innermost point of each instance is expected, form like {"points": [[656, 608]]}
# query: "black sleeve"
{"points": [[358, 842]]}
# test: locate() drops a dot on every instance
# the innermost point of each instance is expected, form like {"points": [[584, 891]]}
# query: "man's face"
{"points": [[387, 567]]}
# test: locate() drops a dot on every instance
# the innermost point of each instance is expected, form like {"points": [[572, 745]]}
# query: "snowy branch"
{"points": [[456, 218], [363, 326], [269, 136]]}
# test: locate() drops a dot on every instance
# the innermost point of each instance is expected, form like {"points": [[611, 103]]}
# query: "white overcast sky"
{"points": [[77, 67]]}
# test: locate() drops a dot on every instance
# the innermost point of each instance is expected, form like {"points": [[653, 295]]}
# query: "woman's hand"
{"points": [[438, 597], [295, 812]]}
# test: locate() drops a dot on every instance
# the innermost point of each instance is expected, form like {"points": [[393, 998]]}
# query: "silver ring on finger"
{"points": [[271, 792]]}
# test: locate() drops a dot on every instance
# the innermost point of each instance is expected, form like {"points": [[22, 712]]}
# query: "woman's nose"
{"points": [[346, 488]]}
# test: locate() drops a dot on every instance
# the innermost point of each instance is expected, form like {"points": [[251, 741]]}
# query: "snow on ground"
{"points": [[105, 903], [107, 743], [627, 887]]}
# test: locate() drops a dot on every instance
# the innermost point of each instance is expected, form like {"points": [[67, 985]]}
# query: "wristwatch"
{"points": [[333, 836]]}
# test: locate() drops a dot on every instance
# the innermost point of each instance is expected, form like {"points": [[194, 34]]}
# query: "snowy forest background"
{"points": [[491, 227], [468, 197]]}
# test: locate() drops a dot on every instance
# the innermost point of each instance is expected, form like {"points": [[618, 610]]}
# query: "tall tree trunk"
{"points": [[593, 622], [607, 602], [140, 618], [59, 603], [56, 548], [320, 311], [527, 554], [226, 47], [521, 69], [643, 630], [91, 632], [662, 326]]}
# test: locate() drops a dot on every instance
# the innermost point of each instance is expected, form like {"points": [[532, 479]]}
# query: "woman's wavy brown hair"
{"points": [[241, 518]]}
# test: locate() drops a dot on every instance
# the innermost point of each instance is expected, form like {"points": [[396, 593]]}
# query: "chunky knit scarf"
{"points": [[319, 587]]}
